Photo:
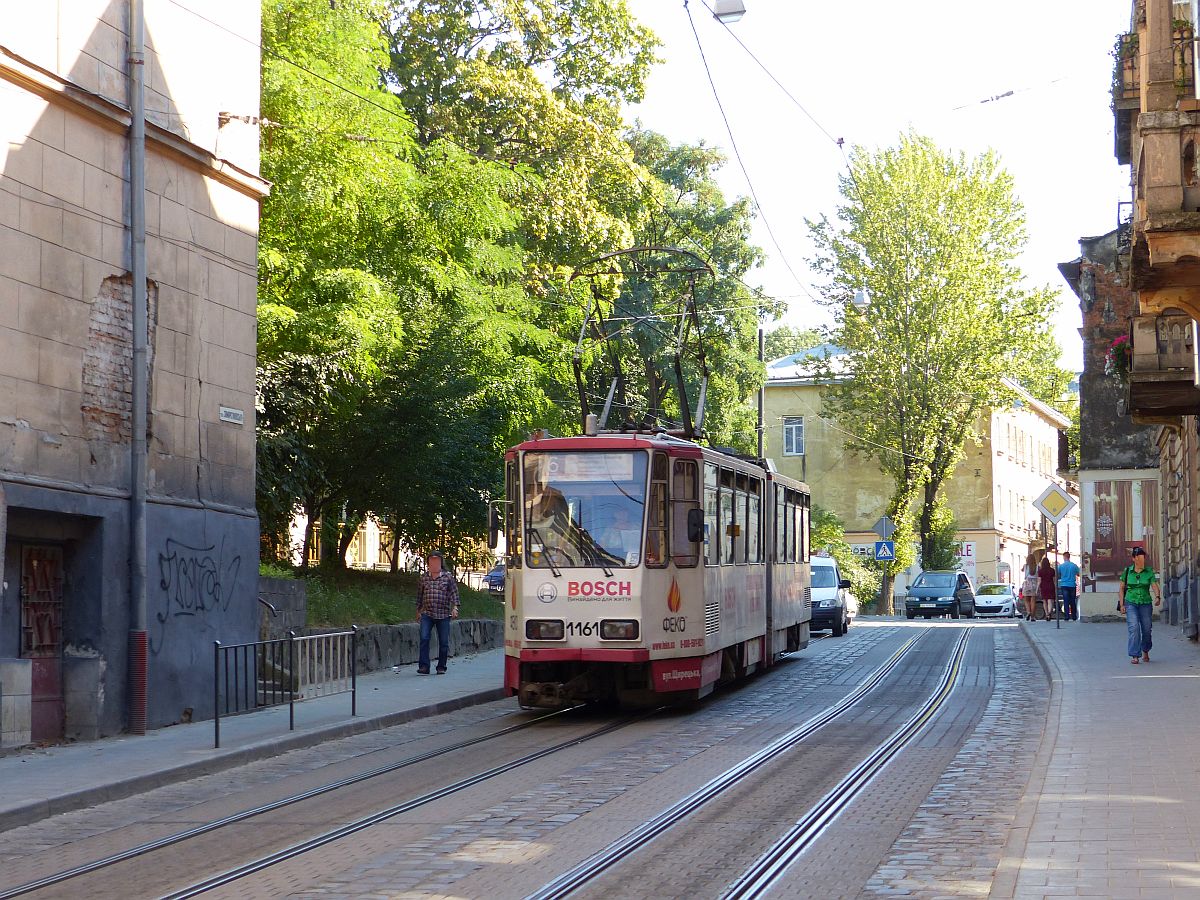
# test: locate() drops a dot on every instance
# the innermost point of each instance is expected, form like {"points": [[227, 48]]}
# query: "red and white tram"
{"points": [[643, 568]]}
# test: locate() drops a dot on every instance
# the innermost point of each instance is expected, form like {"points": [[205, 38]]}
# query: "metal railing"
{"points": [[261, 674]]}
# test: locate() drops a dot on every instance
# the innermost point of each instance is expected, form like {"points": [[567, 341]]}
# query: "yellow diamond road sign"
{"points": [[1055, 503]]}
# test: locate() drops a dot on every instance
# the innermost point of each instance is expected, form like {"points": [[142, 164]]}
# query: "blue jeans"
{"points": [[443, 630], [1138, 615], [1070, 602]]}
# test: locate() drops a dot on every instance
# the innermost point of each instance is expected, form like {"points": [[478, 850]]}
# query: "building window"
{"points": [[793, 435]]}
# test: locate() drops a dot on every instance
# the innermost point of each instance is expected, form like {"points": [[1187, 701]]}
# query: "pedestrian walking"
{"points": [[1136, 585], [1068, 586], [1029, 588], [1046, 587], [437, 604]]}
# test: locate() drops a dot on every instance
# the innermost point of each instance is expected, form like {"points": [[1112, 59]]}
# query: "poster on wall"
{"points": [[1118, 515], [965, 552]]}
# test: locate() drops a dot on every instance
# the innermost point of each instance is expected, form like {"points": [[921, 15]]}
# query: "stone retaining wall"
{"points": [[384, 646]]}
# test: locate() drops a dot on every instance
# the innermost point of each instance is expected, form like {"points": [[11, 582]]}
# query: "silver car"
{"points": [[997, 599]]}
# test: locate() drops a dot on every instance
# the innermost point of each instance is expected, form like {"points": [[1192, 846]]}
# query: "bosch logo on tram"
{"points": [[644, 567]]}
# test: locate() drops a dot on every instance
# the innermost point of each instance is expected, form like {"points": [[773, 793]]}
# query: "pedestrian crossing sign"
{"points": [[885, 551]]}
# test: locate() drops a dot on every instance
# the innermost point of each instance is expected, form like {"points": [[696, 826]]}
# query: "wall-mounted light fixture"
{"points": [[728, 11]]}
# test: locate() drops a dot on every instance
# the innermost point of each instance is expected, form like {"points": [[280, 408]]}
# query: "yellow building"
{"points": [[991, 492]]}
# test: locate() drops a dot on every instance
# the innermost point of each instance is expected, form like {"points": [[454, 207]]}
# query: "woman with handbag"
{"points": [[1137, 583], [1029, 588]]}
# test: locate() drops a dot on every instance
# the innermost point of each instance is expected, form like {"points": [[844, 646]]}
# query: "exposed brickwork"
{"points": [[108, 363], [1108, 440]]}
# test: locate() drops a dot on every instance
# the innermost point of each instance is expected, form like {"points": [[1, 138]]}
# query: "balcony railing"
{"points": [[1184, 55], [1162, 374]]}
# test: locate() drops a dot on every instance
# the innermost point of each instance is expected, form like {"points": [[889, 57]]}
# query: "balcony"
{"points": [[1126, 95], [1162, 374]]}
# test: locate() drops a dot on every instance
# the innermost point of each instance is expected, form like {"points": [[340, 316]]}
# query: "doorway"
{"points": [[41, 636]]}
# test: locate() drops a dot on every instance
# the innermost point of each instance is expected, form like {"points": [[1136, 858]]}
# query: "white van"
{"points": [[833, 606]]}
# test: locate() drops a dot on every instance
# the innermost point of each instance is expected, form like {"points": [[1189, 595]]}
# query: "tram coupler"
{"points": [[556, 694]]}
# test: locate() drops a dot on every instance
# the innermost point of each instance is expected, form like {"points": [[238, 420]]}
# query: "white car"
{"points": [[996, 599], [833, 606]]}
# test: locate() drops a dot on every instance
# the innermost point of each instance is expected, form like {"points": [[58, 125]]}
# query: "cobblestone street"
{"points": [[932, 823]]}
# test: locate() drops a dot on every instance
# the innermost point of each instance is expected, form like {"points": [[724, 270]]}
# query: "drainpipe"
{"points": [[137, 504], [1195, 47]]}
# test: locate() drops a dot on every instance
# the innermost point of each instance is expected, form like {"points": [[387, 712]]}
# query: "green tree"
{"points": [[827, 533], [687, 210], [785, 340], [537, 85], [932, 237], [373, 247]]}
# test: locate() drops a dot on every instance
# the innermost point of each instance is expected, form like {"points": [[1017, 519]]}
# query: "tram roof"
{"points": [[642, 440]]}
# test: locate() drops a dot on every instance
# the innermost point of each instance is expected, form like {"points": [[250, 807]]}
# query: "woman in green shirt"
{"points": [[1133, 598]]}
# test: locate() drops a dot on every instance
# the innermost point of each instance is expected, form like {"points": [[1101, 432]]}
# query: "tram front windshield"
{"points": [[584, 509]]}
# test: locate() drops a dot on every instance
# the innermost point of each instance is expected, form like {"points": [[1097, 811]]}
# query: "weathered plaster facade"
{"points": [[66, 338], [1117, 457], [1157, 132]]}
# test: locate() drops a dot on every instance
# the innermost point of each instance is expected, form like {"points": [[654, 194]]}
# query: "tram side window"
{"points": [[780, 526], [806, 529], [798, 525], [512, 514], [656, 514], [729, 527], [684, 498], [740, 520], [712, 529], [754, 523]]}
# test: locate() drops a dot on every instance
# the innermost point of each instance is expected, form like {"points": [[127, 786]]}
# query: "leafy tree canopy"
{"points": [[784, 340], [933, 238]]}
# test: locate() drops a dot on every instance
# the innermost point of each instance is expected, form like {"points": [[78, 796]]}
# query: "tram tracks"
{"points": [[770, 867], [242, 816], [767, 870], [619, 850], [566, 884]]}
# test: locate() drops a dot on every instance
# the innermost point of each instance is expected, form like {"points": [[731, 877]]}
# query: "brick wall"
{"points": [[1108, 439]]}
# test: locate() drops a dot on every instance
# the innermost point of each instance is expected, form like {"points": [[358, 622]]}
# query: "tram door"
{"points": [[41, 636]]}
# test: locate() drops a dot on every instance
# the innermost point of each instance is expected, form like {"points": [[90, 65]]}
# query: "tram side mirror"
{"points": [[695, 525], [493, 527]]}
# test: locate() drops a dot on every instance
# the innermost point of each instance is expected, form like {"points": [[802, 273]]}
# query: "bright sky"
{"points": [[867, 70]]}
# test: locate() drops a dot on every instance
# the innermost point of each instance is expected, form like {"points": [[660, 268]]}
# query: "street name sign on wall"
{"points": [[1054, 503]]}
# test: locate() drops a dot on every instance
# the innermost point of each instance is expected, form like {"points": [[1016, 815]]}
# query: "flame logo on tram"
{"points": [[674, 601]]}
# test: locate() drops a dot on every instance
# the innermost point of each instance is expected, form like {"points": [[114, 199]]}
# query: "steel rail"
{"points": [[769, 868], [337, 834], [599, 862], [169, 840]]}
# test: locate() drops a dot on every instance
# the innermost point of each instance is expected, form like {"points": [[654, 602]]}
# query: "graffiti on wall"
{"points": [[194, 582]]}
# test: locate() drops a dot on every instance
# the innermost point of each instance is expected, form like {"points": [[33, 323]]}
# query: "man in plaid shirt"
{"points": [[437, 604]]}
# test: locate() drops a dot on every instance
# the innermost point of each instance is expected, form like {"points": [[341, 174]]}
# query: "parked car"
{"points": [[940, 594], [996, 599], [833, 606], [494, 580]]}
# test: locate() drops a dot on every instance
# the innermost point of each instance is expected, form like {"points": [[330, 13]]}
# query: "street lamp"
{"points": [[728, 11]]}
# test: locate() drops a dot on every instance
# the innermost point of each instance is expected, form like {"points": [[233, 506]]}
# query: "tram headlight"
{"points": [[544, 629], [618, 629]]}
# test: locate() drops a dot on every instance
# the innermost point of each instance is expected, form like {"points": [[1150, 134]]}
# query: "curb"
{"points": [[1004, 883], [36, 811]]}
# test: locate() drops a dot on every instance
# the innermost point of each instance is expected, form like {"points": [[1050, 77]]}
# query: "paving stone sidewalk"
{"points": [[41, 782], [1113, 807]]}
